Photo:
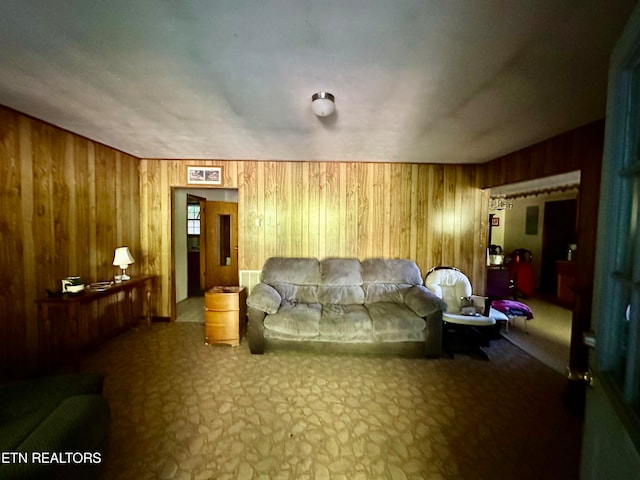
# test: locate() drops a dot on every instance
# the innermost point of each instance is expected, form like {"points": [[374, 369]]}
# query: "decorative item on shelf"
{"points": [[72, 285], [99, 286], [122, 258], [499, 202], [322, 104]]}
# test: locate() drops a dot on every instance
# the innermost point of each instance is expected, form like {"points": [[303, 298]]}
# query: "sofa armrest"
{"points": [[264, 297], [255, 330], [433, 335], [423, 302]]}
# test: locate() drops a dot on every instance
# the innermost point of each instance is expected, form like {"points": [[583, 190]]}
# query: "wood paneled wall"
{"points": [[434, 214], [563, 153], [67, 202]]}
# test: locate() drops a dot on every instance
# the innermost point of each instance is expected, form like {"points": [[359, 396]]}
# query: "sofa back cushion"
{"points": [[383, 270], [387, 280], [295, 279], [340, 282]]}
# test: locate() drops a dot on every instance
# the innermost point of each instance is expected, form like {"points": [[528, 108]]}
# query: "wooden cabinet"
{"points": [[566, 279], [497, 283], [225, 311]]}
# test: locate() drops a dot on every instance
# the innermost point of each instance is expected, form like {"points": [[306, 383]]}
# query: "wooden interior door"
{"points": [[611, 442], [221, 244]]}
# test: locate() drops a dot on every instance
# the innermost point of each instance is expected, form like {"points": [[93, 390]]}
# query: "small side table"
{"points": [[225, 314]]}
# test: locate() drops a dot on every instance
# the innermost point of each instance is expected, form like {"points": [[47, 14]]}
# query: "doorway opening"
{"points": [[540, 216], [559, 237], [204, 247]]}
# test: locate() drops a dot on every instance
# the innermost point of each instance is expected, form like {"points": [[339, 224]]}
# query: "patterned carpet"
{"points": [[183, 410]]}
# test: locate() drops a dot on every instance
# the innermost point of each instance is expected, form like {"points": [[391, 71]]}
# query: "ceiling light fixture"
{"points": [[323, 104]]}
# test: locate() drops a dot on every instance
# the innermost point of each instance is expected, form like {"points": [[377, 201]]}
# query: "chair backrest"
{"points": [[450, 284]]}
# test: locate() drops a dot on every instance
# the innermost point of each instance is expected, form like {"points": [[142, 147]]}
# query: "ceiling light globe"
{"points": [[322, 104]]}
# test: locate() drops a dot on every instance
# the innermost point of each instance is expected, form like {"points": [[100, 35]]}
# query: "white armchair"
{"points": [[453, 286], [466, 317]]}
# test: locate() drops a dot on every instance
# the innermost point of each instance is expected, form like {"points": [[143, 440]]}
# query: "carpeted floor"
{"points": [[184, 410]]}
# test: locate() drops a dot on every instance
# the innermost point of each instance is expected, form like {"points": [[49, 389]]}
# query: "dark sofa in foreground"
{"points": [[53, 427], [344, 305]]}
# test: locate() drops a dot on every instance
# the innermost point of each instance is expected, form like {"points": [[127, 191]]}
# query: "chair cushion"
{"points": [[459, 319], [450, 285]]}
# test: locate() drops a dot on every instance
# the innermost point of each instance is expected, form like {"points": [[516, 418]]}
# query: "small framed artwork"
{"points": [[204, 175], [495, 221]]}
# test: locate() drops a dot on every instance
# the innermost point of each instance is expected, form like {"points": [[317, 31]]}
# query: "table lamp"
{"points": [[123, 258]]}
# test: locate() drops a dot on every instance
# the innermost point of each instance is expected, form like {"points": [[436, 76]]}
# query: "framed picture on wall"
{"points": [[204, 175], [495, 221]]}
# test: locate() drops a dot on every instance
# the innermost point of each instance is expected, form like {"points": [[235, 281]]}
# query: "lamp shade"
{"points": [[322, 104], [122, 257]]}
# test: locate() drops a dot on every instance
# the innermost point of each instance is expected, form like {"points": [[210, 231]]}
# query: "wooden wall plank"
{"points": [[62, 220], [560, 154], [364, 219], [316, 222]]}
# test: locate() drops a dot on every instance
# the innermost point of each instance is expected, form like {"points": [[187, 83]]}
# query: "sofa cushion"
{"points": [[297, 293], [340, 271], [296, 271], [297, 319], [350, 323], [344, 295], [387, 280], [380, 270], [385, 292], [393, 322], [295, 279]]}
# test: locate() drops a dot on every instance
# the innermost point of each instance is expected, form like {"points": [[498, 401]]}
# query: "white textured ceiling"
{"points": [[435, 81]]}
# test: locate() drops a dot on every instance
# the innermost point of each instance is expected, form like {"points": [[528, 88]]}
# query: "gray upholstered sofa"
{"points": [[344, 305]]}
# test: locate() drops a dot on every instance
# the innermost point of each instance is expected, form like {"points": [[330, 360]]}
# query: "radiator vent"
{"points": [[249, 279]]}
